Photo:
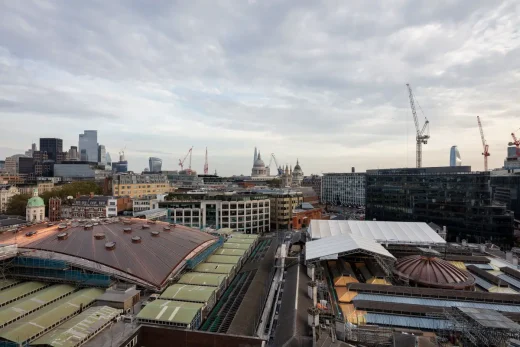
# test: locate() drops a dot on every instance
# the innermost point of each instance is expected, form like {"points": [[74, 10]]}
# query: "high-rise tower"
{"points": [[455, 159], [88, 146]]}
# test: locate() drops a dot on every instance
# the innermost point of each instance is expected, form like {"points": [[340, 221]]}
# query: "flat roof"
{"points": [[34, 301], [244, 246], [214, 268], [19, 290], [334, 246], [383, 232], [230, 251], [244, 236], [84, 325], [202, 279], [6, 283], [35, 323], [170, 311], [186, 292], [489, 318], [223, 259], [240, 240]]}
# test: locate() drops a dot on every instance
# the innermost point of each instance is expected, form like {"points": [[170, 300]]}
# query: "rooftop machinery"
{"points": [[423, 134], [485, 146]]}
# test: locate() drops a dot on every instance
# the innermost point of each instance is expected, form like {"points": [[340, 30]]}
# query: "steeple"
{"points": [[35, 192], [259, 157]]}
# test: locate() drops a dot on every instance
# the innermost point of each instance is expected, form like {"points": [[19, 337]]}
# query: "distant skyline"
{"points": [[322, 81]]}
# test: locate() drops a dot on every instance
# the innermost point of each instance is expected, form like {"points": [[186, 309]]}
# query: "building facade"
{"points": [[155, 164], [73, 153], [35, 210], [283, 202], [12, 164], [146, 203], [259, 170], [136, 186], [455, 159], [42, 186], [303, 214], [6, 193], [453, 197], [343, 189], [54, 209], [102, 155], [88, 146], [53, 147], [506, 191], [313, 181], [90, 206]]}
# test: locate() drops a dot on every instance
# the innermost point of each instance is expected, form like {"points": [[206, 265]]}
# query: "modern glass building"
{"points": [[453, 197], [102, 155], [88, 146], [455, 159], [343, 189], [155, 164], [53, 147]]}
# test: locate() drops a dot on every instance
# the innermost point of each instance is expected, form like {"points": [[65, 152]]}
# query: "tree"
{"points": [[275, 183], [17, 204], [70, 189]]}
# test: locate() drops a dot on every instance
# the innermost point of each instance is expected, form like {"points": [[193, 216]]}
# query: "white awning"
{"points": [[415, 233], [341, 245]]}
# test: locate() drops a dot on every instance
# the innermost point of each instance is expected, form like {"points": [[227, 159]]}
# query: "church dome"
{"points": [[259, 163], [35, 201], [297, 168], [432, 272]]}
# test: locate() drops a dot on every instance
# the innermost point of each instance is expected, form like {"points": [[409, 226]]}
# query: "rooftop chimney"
{"points": [[353, 169]]}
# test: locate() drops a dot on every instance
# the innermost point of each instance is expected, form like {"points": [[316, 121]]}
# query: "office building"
{"points": [[26, 165], [136, 186], [7, 191], [12, 163], [88, 146], [2, 165], [343, 189], [146, 203], [73, 154], [313, 181], [102, 155], [79, 171], [506, 190], [29, 152], [41, 186], [53, 147], [453, 197], [155, 164], [244, 212], [120, 166], [283, 202], [90, 206], [455, 159]]}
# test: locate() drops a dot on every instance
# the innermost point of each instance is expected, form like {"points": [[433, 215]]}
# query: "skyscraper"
{"points": [[155, 164], [73, 153], [455, 159], [53, 147], [88, 146], [102, 156]]}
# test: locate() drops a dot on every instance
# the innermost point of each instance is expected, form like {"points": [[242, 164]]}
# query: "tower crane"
{"points": [[485, 146], [279, 171], [181, 162], [423, 134], [206, 163], [516, 142]]}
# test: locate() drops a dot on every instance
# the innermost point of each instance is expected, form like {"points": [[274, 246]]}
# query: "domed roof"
{"points": [[297, 168], [35, 201], [433, 272], [259, 162]]}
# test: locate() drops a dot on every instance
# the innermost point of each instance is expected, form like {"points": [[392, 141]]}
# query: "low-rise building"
{"points": [[136, 186], [54, 209], [42, 186], [343, 188], [7, 191], [7, 178], [146, 203], [283, 202], [303, 214], [90, 206], [35, 210]]}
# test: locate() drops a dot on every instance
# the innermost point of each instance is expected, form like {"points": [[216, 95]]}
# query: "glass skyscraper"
{"points": [[155, 164], [88, 146], [455, 159]]}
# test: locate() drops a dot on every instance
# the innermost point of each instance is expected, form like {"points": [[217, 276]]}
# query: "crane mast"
{"points": [[423, 134], [485, 146], [206, 163], [181, 162], [516, 142]]}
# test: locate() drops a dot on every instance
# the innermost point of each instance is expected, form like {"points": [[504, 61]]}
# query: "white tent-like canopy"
{"points": [[413, 233], [339, 245]]}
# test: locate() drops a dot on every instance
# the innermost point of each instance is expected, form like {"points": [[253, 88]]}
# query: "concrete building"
{"points": [[283, 202], [12, 164], [155, 164], [29, 152], [54, 149], [54, 209], [35, 210], [42, 186], [73, 153], [6, 193], [343, 188], [313, 181], [88, 146], [2, 165], [90, 206], [146, 203], [512, 161], [136, 186], [102, 155], [455, 159]]}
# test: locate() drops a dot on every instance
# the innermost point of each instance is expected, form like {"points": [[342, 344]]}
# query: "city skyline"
{"points": [[322, 83]]}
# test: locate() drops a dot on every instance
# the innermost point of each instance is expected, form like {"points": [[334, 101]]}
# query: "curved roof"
{"points": [[433, 272], [152, 260], [35, 201], [297, 168]]}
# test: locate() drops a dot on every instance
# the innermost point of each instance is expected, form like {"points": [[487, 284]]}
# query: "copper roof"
{"points": [[433, 272], [151, 260]]}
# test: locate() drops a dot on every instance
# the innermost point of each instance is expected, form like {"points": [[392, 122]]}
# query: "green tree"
{"points": [[17, 204], [275, 183], [70, 189]]}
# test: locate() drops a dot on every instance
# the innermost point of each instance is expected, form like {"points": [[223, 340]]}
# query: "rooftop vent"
{"points": [[99, 236], [167, 228], [110, 245], [155, 233], [136, 239], [127, 230], [145, 226], [88, 226], [63, 236]]}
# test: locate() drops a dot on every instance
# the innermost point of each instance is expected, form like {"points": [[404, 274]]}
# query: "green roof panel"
{"points": [[229, 245], [202, 279], [223, 259], [170, 311], [214, 268], [230, 251], [185, 292], [19, 291]]}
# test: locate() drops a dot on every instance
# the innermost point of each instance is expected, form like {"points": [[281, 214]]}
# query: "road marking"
{"points": [[174, 313], [297, 287], [161, 312]]}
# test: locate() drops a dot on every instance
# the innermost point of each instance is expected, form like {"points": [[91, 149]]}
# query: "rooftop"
{"points": [[170, 311], [202, 279], [214, 268], [184, 292]]}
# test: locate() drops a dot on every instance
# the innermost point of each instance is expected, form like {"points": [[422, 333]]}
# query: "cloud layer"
{"points": [[323, 81]]}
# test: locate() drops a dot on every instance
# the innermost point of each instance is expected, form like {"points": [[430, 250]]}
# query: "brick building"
{"points": [[303, 214], [90, 206], [54, 209]]}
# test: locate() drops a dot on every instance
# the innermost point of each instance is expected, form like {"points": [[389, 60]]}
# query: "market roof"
{"points": [[19, 291], [489, 318], [230, 251], [170, 311], [214, 268], [229, 245], [234, 239], [30, 326], [185, 292], [332, 247], [383, 232], [223, 259], [244, 236], [84, 325], [202, 279], [33, 302], [7, 283], [151, 260]]}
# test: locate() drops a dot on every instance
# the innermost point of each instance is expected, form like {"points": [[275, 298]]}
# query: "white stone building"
{"points": [[6, 193], [35, 210]]}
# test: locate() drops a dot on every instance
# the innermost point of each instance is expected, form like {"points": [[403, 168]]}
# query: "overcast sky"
{"points": [[322, 81]]}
